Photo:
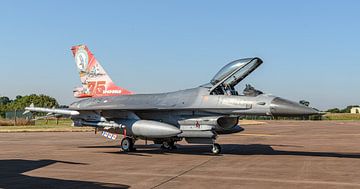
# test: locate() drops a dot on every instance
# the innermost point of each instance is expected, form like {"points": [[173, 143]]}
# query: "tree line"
{"points": [[20, 102], [345, 110]]}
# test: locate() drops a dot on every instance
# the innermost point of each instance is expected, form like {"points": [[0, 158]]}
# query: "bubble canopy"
{"points": [[232, 73]]}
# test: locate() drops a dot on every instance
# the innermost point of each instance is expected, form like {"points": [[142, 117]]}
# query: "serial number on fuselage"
{"points": [[234, 102]]}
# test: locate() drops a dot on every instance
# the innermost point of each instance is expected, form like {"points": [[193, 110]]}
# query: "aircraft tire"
{"points": [[127, 144], [216, 148], [168, 145]]}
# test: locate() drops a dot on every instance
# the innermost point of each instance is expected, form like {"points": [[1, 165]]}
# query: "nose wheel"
{"points": [[127, 144], [216, 148]]}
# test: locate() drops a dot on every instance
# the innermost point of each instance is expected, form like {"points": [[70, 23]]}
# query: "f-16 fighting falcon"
{"points": [[198, 115]]}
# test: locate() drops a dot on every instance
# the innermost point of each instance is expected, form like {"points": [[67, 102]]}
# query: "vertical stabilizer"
{"points": [[95, 81]]}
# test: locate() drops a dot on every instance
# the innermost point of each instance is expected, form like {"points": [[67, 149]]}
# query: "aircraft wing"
{"points": [[142, 108]]}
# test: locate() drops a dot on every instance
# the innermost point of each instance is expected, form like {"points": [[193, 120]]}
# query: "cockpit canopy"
{"points": [[230, 75]]}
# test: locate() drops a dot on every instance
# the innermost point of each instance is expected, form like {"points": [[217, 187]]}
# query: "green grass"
{"points": [[41, 126], [341, 116], [62, 122]]}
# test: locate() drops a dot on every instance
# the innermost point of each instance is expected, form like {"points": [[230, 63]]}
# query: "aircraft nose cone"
{"points": [[283, 107]]}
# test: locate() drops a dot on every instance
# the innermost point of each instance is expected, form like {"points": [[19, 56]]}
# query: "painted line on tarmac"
{"points": [[185, 172]]}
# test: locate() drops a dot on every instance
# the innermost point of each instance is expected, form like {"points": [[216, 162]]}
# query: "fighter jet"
{"points": [[197, 115]]}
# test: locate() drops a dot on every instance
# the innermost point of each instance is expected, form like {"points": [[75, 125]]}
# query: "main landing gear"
{"points": [[216, 148], [168, 145], [127, 144]]}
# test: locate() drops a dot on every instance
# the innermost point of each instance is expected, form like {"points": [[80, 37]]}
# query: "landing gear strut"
{"points": [[127, 144], [216, 148]]}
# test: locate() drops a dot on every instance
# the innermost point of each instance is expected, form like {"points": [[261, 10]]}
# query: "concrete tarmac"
{"points": [[278, 154]]}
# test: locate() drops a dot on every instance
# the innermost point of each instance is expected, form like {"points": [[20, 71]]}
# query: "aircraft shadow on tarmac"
{"points": [[233, 149], [11, 176]]}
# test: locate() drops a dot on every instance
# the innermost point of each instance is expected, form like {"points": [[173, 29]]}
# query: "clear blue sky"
{"points": [[311, 49]]}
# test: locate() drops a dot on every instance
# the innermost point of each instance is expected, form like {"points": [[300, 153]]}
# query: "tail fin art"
{"points": [[95, 81]]}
